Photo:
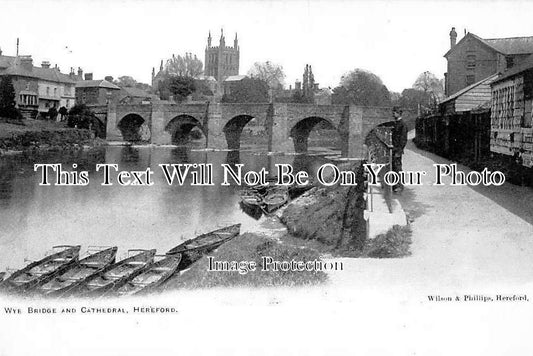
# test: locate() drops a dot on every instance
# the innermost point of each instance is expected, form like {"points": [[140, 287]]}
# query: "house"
{"points": [[473, 58], [96, 92], [511, 113], [37, 89]]}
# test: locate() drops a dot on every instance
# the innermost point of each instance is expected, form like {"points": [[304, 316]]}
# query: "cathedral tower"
{"points": [[221, 61]]}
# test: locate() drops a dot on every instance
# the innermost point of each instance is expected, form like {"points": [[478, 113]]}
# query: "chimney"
{"points": [[0, 51], [453, 37], [297, 85], [45, 64], [80, 73], [26, 62], [88, 76]]}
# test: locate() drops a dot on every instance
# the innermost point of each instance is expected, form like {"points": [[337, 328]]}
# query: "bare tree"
{"points": [[186, 66], [269, 72]]}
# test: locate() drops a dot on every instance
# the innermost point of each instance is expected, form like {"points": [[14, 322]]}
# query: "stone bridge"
{"points": [[287, 125]]}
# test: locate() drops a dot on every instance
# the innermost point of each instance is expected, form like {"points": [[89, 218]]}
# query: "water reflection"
{"points": [[34, 218]]}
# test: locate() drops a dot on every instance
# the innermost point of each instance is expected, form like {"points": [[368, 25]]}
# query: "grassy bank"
{"points": [[332, 216], [250, 247], [43, 135]]}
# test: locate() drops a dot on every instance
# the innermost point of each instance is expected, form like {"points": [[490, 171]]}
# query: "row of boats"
{"points": [[63, 273]]}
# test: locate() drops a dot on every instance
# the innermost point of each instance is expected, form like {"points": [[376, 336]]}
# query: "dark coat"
{"points": [[399, 136]]}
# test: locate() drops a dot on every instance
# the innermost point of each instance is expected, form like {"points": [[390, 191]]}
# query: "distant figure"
{"points": [[63, 113], [52, 113], [399, 140]]}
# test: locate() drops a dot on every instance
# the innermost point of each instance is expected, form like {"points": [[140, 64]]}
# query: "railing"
{"points": [[379, 143]]}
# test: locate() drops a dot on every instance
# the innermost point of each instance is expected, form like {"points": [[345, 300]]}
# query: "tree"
{"points": [[248, 90], [361, 87], [186, 66], [178, 86], [82, 117], [429, 83], [126, 81], [271, 73], [414, 100], [8, 109]]}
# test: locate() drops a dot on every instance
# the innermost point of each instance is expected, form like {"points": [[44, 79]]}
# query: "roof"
{"points": [[234, 78], [102, 83], [507, 46], [136, 92], [522, 67], [6, 61], [487, 80], [206, 77], [512, 45], [49, 74]]}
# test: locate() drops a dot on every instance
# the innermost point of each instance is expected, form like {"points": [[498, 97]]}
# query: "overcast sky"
{"points": [[396, 40]]}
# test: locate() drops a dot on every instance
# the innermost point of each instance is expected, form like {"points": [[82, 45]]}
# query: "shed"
{"points": [[468, 98]]}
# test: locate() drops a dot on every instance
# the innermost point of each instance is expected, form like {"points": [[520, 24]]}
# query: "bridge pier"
{"points": [[215, 128], [112, 131], [159, 135]]}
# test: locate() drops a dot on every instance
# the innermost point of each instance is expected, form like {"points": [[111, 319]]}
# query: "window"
{"points": [[55, 91], [47, 91], [470, 61], [470, 79], [510, 62]]}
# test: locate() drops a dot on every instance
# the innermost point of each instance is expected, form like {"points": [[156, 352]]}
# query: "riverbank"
{"points": [[38, 135]]}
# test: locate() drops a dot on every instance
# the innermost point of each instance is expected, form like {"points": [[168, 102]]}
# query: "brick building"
{"points": [[95, 92], [473, 59]]}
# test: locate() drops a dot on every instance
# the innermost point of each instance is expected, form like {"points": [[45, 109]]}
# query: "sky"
{"points": [[397, 40]]}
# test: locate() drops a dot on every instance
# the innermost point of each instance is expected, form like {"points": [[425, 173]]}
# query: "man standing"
{"points": [[399, 140]]}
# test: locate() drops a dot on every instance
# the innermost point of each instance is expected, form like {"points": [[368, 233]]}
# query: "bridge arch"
{"points": [[130, 127], [233, 130], [181, 126], [302, 129]]}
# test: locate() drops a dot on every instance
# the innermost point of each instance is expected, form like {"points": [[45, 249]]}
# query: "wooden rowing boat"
{"points": [[84, 269], [251, 197], [157, 274], [40, 272], [275, 198], [115, 275], [193, 249]]}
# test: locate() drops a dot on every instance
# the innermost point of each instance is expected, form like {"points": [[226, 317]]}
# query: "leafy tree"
{"points": [[361, 87], [178, 86], [186, 66], [271, 73], [248, 90], [82, 117], [429, 83], [126, 81], [8, 109]]}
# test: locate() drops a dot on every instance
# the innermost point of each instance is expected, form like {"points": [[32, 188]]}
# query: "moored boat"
{"points": [[85, 268], [115, 275], [193, 249], [275, 198], [40, 272], [154, 276], [251, 197]]}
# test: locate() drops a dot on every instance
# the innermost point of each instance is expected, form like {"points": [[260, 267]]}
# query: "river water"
{"points": [[34, 218]]}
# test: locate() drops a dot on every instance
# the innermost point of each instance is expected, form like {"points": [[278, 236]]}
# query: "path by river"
{"points": [[464, 238]]}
